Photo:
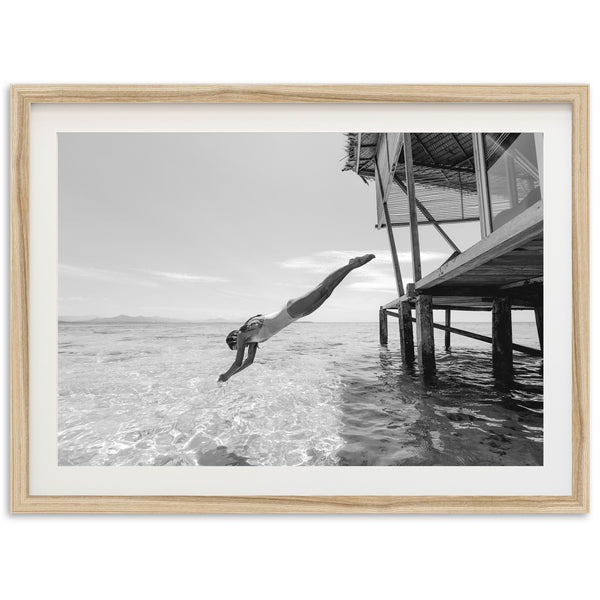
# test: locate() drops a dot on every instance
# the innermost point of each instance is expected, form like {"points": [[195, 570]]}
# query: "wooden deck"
{"points": [[510, 261]]}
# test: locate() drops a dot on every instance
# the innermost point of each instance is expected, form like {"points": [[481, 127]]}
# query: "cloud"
{"points": [[380, 283], [322, 262], [388, 285], [112, 276], [376, 280], [326, 261], [105, 275], [187, 277], [377, 276]]}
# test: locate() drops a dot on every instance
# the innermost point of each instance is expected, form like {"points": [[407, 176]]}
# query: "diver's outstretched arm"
{"points": [[249, 359], [239, 359], [240, 364]]}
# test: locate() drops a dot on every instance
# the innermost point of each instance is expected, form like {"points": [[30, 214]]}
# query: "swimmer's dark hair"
{"points": [[231, 339]]}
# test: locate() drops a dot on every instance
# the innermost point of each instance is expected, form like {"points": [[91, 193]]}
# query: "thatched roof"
{"points": [[368, 147], [444, 173]]}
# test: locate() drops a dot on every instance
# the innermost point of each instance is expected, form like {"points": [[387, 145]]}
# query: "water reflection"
{"points": [[461, 416], [320, 394]]}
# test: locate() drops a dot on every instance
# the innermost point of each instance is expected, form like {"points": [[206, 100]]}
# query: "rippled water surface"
{"points": [[318, 394]]}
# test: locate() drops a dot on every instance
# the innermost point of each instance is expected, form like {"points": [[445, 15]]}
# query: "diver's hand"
{"points": [[223, 377]]}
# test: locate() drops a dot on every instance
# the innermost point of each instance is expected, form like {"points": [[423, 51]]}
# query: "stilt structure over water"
{"points": [[437, 178]]}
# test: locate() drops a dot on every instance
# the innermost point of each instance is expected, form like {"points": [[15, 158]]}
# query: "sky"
{"points": [[223, 226]]}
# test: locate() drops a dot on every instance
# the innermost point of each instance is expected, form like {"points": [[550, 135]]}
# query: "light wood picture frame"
{"points": [[22, 98]]}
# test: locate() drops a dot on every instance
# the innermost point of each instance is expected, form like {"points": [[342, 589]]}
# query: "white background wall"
{"points": [[296, 556]]}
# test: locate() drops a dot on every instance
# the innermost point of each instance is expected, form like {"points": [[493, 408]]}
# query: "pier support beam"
{"points": [[407, 344], [425, 343], [539, 323], [483, 189], [485, 338], [502, 355], [447, 333], [412, 207], [383, 327]]}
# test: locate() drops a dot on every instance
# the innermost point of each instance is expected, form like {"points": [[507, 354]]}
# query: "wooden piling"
{"points": [[412, 207], [425, 343], [539, 323], [447, 332], [502, 354], [395, 261], [407, 344], [383, 326]]}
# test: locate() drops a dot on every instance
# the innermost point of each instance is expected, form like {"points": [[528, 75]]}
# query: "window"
{"points": [[513, 162]]}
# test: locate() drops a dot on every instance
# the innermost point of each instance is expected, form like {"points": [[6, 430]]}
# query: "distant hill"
{"points": [[70, 319]]}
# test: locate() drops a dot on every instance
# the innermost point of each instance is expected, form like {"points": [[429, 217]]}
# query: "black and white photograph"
{"points": [[300, 299]]}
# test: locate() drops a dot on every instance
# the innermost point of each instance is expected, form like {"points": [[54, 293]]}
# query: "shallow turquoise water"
{"points": [[318, 394]]}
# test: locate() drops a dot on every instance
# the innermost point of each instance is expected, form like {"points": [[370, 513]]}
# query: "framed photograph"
{"points": [[299, 298]]}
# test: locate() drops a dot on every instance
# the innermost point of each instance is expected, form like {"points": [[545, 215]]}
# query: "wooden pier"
{"points": [[436, 178]]}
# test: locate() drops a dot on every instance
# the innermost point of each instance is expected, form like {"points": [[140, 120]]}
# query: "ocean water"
{"points": [[317, 394]]}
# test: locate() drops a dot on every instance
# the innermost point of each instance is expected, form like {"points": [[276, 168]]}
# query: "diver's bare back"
{"points": [[260, 328]]}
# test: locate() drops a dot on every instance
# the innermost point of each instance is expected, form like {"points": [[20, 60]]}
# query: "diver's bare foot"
{"points": [[359, 261]]}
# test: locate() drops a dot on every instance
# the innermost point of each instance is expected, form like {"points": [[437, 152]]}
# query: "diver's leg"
{"points": [[305, 305]]}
